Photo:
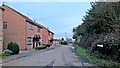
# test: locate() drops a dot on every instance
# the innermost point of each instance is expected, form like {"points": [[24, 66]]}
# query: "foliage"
{"points": [[100, 62], [41, 47], [6, 52], [101, 25], [74, 36], [102, 17], [47, 45], [1, 53], [14, 47], [62, 39], [64, 42]]}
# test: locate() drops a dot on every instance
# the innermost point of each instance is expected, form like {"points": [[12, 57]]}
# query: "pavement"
{"points": [[22, 54], [14, 57], [53, 56]]}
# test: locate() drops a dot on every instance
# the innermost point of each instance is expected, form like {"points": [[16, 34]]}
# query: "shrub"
{"points": [[7, 52], [14, 47], [64, 43], [1, 53], [40, 47], [47, 45], [99, 62]]}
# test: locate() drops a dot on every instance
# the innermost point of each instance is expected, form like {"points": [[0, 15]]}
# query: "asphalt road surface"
{"points": [[59, 56]]}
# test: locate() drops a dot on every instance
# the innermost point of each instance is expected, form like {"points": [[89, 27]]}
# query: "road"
{"points": [[60, 56]]}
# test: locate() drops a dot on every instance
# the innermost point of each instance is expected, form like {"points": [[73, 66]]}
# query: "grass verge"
{"points": [[100, 62]]}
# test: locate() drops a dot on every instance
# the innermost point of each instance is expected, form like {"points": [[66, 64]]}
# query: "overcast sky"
{"points": [[59, 17]]}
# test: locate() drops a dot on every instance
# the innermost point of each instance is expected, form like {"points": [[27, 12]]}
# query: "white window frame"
{"points": [[30, 26], [29, 40], [5, 25]]}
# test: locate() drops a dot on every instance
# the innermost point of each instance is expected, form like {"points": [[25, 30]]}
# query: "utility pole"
{"points": [[65, 35]]}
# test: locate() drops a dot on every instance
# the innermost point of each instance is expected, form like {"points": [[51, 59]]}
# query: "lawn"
{"points": [[100, 62]]}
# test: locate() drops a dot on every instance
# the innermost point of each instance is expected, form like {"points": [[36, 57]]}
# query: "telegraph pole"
{"points": [[65, 35]]}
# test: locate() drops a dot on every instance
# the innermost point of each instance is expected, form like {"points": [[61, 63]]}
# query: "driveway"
{"points": [[60, 56]]}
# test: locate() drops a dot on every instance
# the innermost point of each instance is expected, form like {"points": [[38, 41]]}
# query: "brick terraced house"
{"points": [[25, 32], [47, 36]]}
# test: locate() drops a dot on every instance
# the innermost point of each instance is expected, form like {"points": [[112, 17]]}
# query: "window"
{"points": [[30, 26], [4, 25], [29, 40], [38, 29]]}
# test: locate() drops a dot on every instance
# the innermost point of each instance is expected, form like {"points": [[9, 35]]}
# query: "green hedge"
{"points": [[40, 47], [14, 47], [100, 62], [64, 43], [47, 45]]}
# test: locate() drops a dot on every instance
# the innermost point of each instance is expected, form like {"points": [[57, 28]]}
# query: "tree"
{"points": [[62, 39], [101, 24]]}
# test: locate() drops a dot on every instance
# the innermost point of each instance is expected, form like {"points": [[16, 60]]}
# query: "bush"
{"points": [[6, 53], [1, 53], [64, 43], [47, 45], [40, 47], [14, 47], [100, 62]]}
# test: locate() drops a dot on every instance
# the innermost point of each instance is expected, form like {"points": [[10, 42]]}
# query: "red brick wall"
{"points": [[15, 28], [45, 35], [18, 31], [51, 36], [32, 33]]}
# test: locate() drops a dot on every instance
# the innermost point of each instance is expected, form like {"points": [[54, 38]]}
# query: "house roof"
{"points": [[50, 31], [47, 29]]}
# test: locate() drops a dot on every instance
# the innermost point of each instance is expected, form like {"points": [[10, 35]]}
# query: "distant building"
{"points": [[56, 41], [20, 29]]}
